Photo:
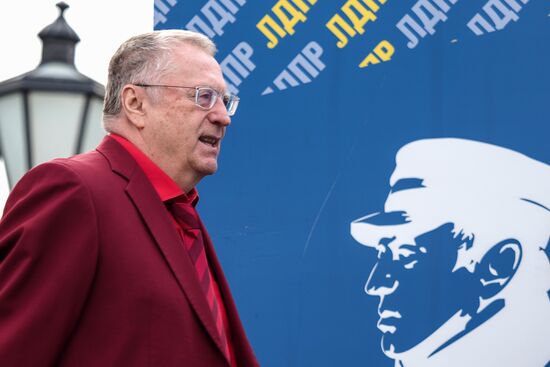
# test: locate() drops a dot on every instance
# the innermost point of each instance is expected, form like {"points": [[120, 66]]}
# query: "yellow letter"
{"points": [[343, 39], [303, 6], [384, 50], [262, 26], [370, 59], [295, 14], [366, 15], [372, 5]]}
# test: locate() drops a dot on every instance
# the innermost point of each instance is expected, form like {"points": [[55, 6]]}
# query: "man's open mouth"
{"points": [[210, 140], [388, 320]]}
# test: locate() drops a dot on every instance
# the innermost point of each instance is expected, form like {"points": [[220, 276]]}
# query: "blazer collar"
{"points": [[157, 218], [120, 160]]}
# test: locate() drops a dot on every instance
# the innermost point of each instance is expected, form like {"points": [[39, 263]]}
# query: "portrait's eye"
{"points": [[408, 256], [403, 252], [410, 264], [408, 251], [204, 97]]}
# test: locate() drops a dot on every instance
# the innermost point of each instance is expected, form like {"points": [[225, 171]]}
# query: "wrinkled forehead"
{"points": [[409, 213], [480, 188], [194, 66], [395, 226]]}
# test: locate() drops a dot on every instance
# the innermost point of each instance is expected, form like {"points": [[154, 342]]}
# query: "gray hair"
{"points": [[142, 56]]}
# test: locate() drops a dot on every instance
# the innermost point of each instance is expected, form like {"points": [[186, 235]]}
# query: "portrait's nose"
{"points": [[381, 282]]}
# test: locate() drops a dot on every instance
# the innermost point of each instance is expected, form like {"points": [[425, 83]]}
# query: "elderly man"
{"points": [[103, 258], [462, 274]]}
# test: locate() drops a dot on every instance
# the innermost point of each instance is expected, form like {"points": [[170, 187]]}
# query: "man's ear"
{"points": [[132, 103], [498, 266]]}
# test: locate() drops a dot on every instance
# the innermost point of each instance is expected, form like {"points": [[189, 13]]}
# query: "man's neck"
{"points": [[185, 181]]}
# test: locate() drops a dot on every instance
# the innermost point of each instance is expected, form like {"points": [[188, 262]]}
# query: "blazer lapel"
{"points": [[157, 219]]}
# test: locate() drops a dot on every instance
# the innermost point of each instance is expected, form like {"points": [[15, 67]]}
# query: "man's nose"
{"points": [[219, 115], [381, 282]]}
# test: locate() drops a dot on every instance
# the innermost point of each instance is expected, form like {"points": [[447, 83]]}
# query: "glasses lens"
{"points": [[232, 105], [227, 99], [205, 97]]}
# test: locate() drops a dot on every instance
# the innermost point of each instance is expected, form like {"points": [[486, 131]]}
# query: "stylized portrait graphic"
{"points": [[463, 273]]}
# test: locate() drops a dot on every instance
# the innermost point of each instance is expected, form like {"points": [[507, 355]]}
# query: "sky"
{"points": [[102, 26]]}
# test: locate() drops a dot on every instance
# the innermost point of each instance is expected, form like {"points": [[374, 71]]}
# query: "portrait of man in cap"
{"points": [[462, 272]]}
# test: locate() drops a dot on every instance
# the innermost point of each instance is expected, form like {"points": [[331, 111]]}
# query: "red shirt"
{"points": [[167, 189]]}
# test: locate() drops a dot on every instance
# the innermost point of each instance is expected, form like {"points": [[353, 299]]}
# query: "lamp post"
{"points": [[51, 111]]}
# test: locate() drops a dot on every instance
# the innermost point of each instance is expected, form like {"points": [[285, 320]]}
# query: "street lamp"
{"points": [[51, 111]]}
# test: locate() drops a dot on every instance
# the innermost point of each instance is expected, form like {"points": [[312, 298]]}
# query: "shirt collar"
{"points": [[166, 188]]}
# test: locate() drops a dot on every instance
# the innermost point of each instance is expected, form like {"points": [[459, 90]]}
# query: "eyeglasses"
{"points": [[205, 97]]}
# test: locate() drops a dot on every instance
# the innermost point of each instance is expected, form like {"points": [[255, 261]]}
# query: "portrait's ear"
{"points": [[498, 266], [132, 100]]}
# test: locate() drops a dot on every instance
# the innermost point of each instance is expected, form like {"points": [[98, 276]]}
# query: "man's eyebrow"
{"points": [[407, 250], [409, 246], [407, 184], [222, 90], [400, 249]]}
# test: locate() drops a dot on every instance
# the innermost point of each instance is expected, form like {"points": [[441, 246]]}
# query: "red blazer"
{"points": [[93, 273]]}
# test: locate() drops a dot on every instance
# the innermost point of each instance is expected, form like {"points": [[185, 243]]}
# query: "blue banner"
{"points": [[383, 195]]}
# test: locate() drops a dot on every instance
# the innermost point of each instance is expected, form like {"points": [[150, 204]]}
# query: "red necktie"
{"points": [[188, 219]]}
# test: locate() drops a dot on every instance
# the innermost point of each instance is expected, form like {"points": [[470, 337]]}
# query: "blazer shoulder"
{"points": [[90, 163], [93, 169], [56, 177]]}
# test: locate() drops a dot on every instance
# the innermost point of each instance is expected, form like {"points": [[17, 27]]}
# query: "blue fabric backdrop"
{"points": [[330, 91]]}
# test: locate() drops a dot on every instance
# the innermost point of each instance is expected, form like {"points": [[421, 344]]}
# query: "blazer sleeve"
{"points": [[48, 255]]}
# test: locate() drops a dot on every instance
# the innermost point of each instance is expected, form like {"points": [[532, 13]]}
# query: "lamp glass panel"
{"points": [[93, 130], [12, 136], [55, 119], [4, 186]]}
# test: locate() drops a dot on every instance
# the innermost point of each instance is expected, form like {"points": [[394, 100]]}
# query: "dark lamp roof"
{"points": [[56, 71], [59, 39]]}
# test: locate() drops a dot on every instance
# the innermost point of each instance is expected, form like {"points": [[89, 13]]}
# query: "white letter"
{"points": [[230, 6], [478, 19], [210, 9], [313, 53], [244, 52], [507, 14], [293, 66], [230, 60], [428, 22], [285, 75], [198, 25], [407, 20]]}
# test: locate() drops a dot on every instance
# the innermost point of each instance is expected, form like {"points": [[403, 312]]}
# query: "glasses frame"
{"points": [[229, 100]]}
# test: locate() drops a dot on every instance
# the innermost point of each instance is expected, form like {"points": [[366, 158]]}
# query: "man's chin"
{"points": [[387, 346], [207, 167], [391, 345], [209, 171]]}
